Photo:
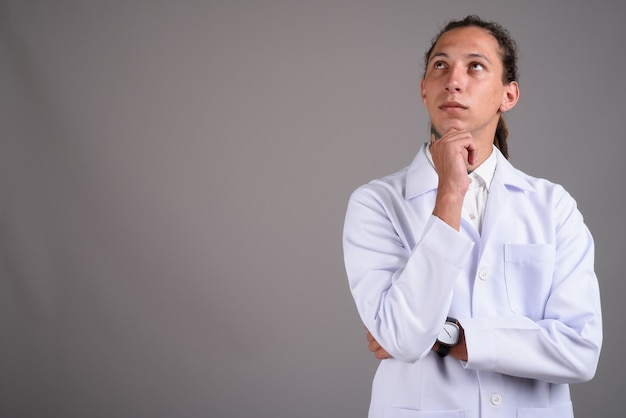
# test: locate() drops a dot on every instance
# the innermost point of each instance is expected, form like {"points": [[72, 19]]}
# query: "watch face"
{"points": [[449, 334]]}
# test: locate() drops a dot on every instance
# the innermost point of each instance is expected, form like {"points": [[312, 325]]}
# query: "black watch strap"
{"points": [[443, 350]]}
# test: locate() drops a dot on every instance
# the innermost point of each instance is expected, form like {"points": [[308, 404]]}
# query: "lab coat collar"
{"points": [[422, 178]]}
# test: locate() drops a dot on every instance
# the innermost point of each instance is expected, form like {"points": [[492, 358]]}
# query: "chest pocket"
{"points": [[564, 411], [409, 413], [528, 270]]}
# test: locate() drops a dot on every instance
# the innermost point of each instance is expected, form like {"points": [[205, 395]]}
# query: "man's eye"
{"points": [[476, 66], [439, 65]]}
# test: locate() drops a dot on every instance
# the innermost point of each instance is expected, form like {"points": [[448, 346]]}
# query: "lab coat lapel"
{"points": [[506, 180], [497, 204]]}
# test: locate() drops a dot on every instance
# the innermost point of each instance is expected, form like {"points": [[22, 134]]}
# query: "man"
{"points": [[475, 281]]}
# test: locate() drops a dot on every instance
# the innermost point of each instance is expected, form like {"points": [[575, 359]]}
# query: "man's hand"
{"points": [[453, 154], [379, 352]]}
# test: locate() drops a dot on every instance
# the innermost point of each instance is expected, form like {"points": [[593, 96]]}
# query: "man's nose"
{"points": [[455, 81]]}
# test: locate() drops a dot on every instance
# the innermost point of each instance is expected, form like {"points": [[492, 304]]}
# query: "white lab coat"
{"points": [[525, 293]]}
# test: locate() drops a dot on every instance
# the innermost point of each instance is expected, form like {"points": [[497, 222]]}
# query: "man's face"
{"points": [[463, 87]]}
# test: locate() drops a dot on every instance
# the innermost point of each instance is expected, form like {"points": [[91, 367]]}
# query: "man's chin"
{"points": [[447, 126]]}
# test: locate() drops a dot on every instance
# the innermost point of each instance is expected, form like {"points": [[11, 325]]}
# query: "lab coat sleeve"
{"points": [[563, 346], [402, 294]]}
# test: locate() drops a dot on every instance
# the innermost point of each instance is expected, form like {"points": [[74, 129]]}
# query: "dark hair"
{"points": [[508, 54]]}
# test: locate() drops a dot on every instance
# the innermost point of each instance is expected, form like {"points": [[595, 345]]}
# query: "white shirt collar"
{"points": [[486, 170]]}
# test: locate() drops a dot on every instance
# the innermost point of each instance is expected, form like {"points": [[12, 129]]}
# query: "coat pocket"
{"points": [[410, 413], [528, 271], [563, 411]]}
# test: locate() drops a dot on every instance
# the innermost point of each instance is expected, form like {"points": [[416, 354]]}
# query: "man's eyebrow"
{"points": [[439, 54], [477, 55], [470, 55]]}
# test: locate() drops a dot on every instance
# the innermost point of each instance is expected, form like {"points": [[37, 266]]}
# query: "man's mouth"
{"points": [[452, 106]]}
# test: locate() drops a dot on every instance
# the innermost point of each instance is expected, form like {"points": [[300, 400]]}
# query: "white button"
{"points": [[472, 216], [483, 274], [496, 399]]}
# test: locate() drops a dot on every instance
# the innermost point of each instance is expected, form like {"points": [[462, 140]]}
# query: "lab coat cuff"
{"points": [[481, 344]]}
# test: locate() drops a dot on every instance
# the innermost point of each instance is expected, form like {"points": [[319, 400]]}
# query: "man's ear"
{"points": [[423, 92], [511, 96]]}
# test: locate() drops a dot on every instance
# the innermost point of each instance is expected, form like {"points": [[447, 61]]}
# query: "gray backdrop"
{"points": [[174, 176]]}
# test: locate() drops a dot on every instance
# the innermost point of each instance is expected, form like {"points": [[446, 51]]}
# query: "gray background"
{"points": [[174, 176]]}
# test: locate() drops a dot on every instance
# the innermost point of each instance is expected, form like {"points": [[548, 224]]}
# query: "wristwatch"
{"points": [[448, 336]]}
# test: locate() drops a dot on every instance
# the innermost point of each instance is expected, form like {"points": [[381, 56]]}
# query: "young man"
{"points": [[475, 281]]}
